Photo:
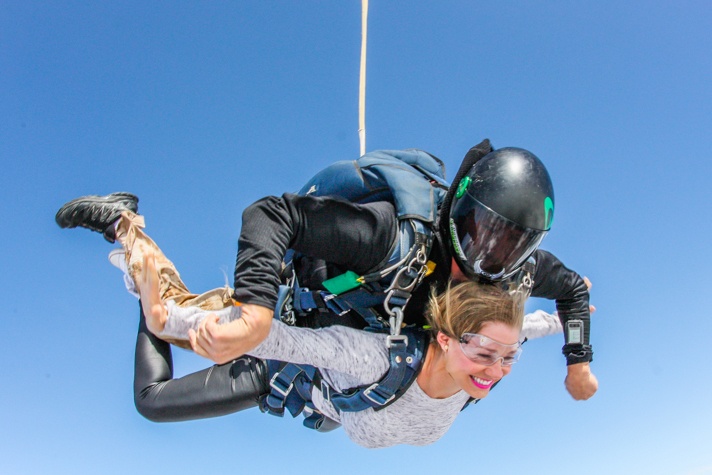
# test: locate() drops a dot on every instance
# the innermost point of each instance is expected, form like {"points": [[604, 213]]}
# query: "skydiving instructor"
{"points": [[488, 228]]}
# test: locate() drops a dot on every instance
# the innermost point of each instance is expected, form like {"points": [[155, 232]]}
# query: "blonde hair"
{"points": [[466, 307]]}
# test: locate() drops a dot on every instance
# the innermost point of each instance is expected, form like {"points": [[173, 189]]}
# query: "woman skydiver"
{"points": [[474, 340]]}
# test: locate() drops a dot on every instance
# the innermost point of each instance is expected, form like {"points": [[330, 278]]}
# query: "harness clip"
{"points": [[325, 391], [391, 340], [380, 401], [277, 385]]}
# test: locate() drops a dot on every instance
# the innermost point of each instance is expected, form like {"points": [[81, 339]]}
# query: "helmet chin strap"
{"points": [[479, 271]]}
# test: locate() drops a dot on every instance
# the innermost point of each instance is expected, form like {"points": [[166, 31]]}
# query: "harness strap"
{"points": [[291, 384], [380, 393], [290, 387], [370, 292]]}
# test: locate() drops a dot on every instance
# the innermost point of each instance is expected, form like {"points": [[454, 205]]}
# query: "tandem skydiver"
{"points": [[489, 226]]}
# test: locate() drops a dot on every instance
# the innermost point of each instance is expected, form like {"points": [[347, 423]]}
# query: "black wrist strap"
{"points": [[577, 354]]}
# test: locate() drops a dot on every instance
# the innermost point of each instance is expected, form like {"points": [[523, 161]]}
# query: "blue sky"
{"points": [[200, 108]]}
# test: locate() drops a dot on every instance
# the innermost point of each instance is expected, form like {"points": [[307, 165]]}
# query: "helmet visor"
{"points": [[490, 245]]}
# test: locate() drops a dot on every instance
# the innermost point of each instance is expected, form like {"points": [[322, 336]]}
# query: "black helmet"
{"points": [[501, 211]]}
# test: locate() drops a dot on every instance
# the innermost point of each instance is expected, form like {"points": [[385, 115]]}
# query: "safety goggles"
{"points": [[486, 351]]}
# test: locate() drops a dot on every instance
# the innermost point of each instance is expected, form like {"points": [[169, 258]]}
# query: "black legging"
{"points": [[215, 391]]}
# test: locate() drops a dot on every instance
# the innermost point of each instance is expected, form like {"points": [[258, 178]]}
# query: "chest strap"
{"points": [[405, 353], [291, 384], [388, 289]]}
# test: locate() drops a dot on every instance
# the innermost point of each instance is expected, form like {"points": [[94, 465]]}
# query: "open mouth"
{"points": [[481, 383]]}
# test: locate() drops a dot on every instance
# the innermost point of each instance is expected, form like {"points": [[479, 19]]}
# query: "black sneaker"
{"points": [[97, 213]]}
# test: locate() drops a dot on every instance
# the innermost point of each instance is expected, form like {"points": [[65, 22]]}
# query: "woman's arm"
{"points": [[216, 391], [356, 353]]}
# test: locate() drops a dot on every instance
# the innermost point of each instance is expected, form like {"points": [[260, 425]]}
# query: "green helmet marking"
{"points": [[455, 241], [548, 211], [462, 187]]}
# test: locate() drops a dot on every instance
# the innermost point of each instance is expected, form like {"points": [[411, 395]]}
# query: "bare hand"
{"points": [[224, 343], [580, 382]]}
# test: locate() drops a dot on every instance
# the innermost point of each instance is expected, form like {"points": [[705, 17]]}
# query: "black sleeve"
{"points": [[553, 280], [355, 236], [216, 391]]}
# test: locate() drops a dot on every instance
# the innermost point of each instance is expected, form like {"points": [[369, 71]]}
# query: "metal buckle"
{"points": [[416, 268], [391, 339], [396, 321], [334, 305], [326, 394], [273, 383], [367, 394], [284, 308]]}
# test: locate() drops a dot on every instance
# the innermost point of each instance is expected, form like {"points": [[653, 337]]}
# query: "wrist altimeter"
{"points": [[575, 349]]}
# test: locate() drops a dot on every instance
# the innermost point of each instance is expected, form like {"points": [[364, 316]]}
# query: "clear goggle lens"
{"points": [[486, 351]]}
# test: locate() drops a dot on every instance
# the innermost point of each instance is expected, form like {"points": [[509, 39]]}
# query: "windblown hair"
{"points": [[466, 307]]}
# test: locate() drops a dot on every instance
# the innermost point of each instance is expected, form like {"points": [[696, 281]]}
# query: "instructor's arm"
{"points": [[223, 343]]}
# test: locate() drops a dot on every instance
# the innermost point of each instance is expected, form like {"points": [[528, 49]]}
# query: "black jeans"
{"points": [[215, 391]]}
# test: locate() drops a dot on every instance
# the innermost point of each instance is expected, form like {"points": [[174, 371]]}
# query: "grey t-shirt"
{"points": [[348, 358]]}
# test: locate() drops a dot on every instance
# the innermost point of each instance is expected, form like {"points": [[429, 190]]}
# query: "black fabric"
{"points": [[355, 237], [347, 235], [577, 353], [553, 280], [216, 391]]}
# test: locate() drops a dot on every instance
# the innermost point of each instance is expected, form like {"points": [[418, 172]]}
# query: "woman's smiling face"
{"points": [[477, 379]]}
